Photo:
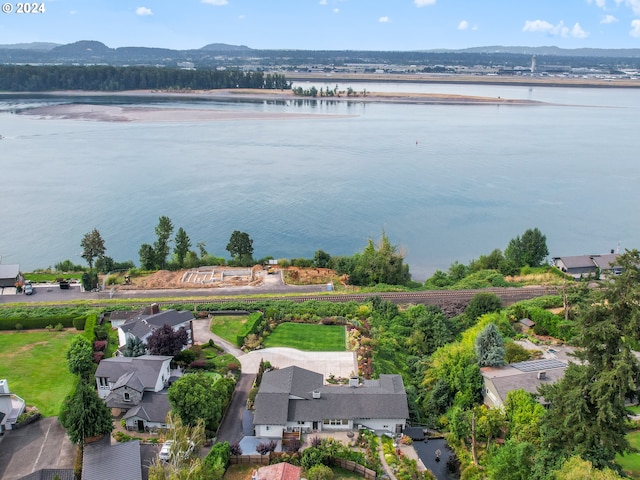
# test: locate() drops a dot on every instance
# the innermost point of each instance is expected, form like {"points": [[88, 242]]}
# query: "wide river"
{"points": [[445, 182]]}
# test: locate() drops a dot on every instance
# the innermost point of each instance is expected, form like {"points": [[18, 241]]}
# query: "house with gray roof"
{"points": [[9, 275], [143, 323], [528, 376], [588, 265], [101, 460], [136, 386], [295, 399]]}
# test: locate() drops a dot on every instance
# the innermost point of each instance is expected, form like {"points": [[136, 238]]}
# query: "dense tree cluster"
{"points": [[28, 78]]}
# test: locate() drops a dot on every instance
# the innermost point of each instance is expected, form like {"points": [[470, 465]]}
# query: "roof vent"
{"points": [[354, 382], [542, 375], [316, 394]]}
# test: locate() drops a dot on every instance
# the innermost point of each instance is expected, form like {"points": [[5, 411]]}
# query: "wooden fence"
{"points": [[249, 459], [356, 468]]}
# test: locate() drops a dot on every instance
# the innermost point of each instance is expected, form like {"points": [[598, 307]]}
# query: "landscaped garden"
{"points": [[35, 366], [630, 462], [227, 326]]}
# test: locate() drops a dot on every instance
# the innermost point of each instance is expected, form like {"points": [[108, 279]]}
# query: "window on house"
{"points": [[301, 423], [333, 421], [127, 397]]}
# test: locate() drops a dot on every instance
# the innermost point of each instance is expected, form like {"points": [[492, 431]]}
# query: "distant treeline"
{"points": [[28, 78]]}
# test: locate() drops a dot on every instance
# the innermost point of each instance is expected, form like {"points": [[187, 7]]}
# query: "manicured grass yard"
{"points": [[309, 337], [35, 365], [630, 463], [228, 326], [635, 409]]}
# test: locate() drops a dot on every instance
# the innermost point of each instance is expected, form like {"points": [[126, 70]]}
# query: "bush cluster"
{"points": [[254, 323]]}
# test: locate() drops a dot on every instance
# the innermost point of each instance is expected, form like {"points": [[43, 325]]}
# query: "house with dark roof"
{"points": [[11, 407], [101, 460], [528, 376], [9, 275], [143, 323], [295, 399], [585, 265], [136, 386]]}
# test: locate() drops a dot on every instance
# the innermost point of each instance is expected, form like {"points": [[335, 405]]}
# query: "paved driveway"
{"points": [[43, 444]]}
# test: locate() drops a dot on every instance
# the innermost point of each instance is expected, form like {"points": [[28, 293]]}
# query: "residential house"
{"points": [[295, 399], [278, 471], [588, 265], [11, 407], [528, 376], [9, 275], [136, 386], [102, 460], [143, 323]]}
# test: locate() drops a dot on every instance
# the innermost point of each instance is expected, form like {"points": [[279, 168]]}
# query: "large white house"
{"points": [[295, 399], [11, 407], [136, 386], [142, 324]]}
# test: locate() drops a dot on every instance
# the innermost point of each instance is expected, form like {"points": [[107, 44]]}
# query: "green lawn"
{"points": [[630, 463], [635, 409], [35, 366], [309, 337], [227, 326]]}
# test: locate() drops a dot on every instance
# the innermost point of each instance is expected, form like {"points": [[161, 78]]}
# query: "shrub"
{"points": [[320, 472], [264, 448], [233, 366], [235, 448], [253, 323], [99, 346], [79, 322], [90, 327], [59, 327], [97, 356], [19, 326]]}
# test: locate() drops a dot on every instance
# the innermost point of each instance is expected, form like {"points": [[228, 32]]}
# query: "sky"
{"points": [[400, 25]]}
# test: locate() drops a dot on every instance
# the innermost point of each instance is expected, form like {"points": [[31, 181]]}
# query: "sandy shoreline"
{"points": [[114, 113]]}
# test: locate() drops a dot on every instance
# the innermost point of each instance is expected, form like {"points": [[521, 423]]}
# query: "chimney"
{"points": [[542, 375], [4, 386], [155, 309], [316, 394], [354, 382]]}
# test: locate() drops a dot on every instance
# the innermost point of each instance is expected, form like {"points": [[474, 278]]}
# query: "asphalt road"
{"points": [[43, 444]]}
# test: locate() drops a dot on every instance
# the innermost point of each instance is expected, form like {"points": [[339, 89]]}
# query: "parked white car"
{"points": [[165, 451]]}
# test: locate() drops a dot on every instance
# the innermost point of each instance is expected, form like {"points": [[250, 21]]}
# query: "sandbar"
{"points": [[115, 113]]}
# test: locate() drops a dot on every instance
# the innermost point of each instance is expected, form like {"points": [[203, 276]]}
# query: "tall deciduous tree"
{"points": [[147, 257], [80, 356], [166, 341], [240, 247], [587, 414], [183, 244], [92, 246], [84, 414], [489, 347], [164, 229], [529, 250]]}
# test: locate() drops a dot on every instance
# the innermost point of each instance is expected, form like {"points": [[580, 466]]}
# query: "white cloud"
{"points": [[217, 3], [635, 28], [599, 3], [384, 19], [609, 19], [241, 17], [336, 10], [578, 32], [633, 4], [424, 3], [542, 26], [463, 25], [323, 2], [537, 26], [143, 11]]}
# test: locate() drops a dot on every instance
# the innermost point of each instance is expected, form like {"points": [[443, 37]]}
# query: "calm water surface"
{"points": [[446, 182]]}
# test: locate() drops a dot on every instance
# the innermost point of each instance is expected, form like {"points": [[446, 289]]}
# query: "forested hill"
{"points": [[27, 78]]}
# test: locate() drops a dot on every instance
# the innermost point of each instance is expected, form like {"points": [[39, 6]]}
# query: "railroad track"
{"points": [[427, 297]]}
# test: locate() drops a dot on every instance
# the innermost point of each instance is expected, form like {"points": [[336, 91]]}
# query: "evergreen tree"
{"points": [[489, 347], [183, 244], [164, 229], [84, 414], [134, 347]]}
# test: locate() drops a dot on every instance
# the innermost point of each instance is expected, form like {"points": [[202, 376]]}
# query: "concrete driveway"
{"points": [[43, 444]]}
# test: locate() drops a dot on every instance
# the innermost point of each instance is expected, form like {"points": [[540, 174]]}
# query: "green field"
{"points": [[309, 337], [630, 463], [35, 366], [227, 326]]}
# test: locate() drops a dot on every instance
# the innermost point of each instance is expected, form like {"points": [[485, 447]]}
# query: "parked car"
{"points": [[28, 289], [165, 451], [65, 285]]}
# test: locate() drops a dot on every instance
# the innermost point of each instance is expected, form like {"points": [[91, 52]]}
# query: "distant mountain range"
{"points": [[224, 55]]}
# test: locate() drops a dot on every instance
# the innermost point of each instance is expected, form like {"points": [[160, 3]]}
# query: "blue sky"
{"points": [[331, 24]]}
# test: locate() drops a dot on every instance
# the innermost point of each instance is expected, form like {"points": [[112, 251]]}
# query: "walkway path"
{"points": [[385, 465]]}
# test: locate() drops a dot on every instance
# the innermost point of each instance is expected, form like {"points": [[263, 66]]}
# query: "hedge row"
{"points": [[90, 327], [217, 460], [253, 323], [20, 323]]}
